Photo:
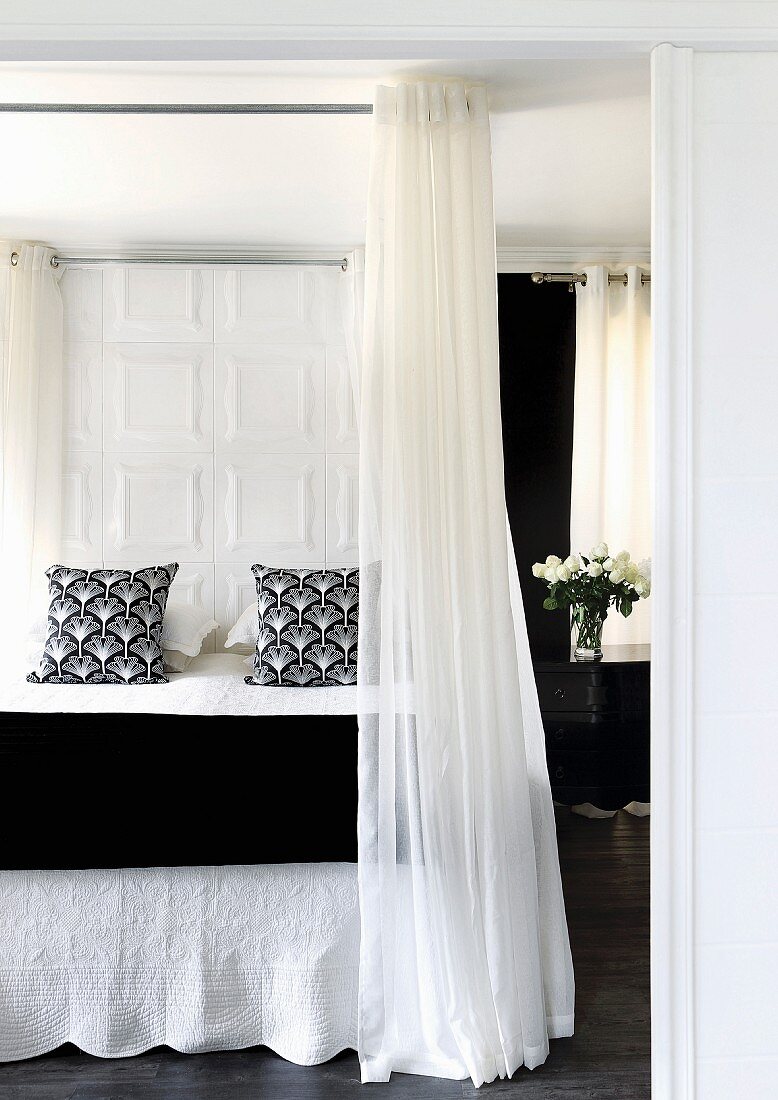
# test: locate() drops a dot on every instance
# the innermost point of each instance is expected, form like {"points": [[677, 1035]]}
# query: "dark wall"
{"points": [[537, 378]]}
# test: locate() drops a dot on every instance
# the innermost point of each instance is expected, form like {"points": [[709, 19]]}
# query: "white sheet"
{"points": [[198, 958], [213, 684]]}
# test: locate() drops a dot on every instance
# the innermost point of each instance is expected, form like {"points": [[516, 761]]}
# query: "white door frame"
{"points": [[568, 29], [672, 686]]}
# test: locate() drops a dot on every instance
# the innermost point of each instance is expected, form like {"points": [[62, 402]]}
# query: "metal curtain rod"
{"points": [[573, 277], [189, 108], [206, 261]]}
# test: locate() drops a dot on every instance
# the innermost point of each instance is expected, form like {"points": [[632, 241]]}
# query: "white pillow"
{"points": [[175, 660], [36, 639], [185, 627], [243, 636]]}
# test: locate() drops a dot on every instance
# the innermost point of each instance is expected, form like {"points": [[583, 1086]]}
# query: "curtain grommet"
{"points": [[14, 259]]}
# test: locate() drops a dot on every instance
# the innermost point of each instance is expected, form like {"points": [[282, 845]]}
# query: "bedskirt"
{"points": [[196, 958]]}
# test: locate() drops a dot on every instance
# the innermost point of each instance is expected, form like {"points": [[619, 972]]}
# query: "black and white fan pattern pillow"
{"points": [[307, 627], [105, 626]]}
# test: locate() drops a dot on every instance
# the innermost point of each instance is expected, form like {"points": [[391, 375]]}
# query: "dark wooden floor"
{"points": [[605, 870]]}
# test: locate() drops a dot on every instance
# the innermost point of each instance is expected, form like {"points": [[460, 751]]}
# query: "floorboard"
{"points": [[605, 867]]}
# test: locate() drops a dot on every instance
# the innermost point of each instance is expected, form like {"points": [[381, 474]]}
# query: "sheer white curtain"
{"points": [[611, 497], [30, 427], [465, 963]]}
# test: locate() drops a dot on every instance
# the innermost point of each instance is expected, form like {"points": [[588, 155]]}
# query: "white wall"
{"points": [[210, 422], [735, 363], [714, 267]]}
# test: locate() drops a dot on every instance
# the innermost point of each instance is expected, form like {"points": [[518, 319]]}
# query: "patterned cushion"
{"points": [[105, 626], [307, 627]]}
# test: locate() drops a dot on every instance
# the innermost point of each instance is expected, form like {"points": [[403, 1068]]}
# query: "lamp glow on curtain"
{"points": [[611, 495], [465, 961], [31, 432]]}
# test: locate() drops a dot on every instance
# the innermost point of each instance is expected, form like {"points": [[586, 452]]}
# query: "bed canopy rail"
{"points": [[188, 108], [236, 259]]}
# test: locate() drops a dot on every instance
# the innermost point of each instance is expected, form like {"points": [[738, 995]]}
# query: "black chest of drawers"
{"points": [[596, 719]]}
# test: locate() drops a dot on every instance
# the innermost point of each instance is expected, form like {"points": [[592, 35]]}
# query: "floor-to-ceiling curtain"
{"points": [[465, 963], [31, 429], [611, 496]]}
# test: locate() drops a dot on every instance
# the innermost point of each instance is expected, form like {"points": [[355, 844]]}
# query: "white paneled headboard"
{"points": [[210, 422]]}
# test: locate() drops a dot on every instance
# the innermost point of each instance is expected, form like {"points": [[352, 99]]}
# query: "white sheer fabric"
{"points": [[30, 428], [352, 308], [611, 496], [465, 963]]}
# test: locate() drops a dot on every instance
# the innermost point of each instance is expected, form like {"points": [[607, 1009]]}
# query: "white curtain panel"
{"points": [[465, 964], [31, 428], [352, 309], [611, 497]]}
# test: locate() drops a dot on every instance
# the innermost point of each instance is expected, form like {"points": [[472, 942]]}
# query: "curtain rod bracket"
{"points": [[573, 277], [569, 277]]}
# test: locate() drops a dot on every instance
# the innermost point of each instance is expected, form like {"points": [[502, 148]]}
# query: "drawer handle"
{"points": [[559, 773], [559, 734], [560, 693]]}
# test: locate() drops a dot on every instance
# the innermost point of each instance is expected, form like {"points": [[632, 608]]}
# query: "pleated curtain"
{"points": [[612, 483], [465, 964], [31, 429]]}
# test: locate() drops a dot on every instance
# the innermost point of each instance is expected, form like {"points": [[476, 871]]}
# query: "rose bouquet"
{"points": [[589, 585]]}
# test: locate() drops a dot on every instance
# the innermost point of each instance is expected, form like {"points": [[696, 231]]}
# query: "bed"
{"points": [[203, 770], [178, 866]]}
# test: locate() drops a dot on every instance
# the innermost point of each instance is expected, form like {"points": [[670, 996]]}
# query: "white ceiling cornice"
{"points": [[104, 29], [568, 257]]}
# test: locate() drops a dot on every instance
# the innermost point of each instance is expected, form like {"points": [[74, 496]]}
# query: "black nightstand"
{"points": [[596, 717]]}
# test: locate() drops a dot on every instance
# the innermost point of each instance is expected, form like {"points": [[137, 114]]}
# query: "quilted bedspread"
{"points": [[197, 958]]}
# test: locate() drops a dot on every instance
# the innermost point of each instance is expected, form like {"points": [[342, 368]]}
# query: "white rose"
{"points": [[599, 551], [563, 573], [608, 564], [644, 568], [538, 569], [552, 559], [631, 572], [573, 564], [643, 588], [617, 575], [550, 573], [623, 555], [595, 569]]}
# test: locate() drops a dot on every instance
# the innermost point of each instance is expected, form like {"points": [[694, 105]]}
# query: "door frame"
{"points": [[580, 30]]}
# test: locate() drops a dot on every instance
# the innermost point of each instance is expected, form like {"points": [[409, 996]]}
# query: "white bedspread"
{"points": [[213, 684], [205, 958]]}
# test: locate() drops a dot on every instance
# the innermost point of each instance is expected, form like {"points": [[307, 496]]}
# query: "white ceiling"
{"points": [[570, 139]]}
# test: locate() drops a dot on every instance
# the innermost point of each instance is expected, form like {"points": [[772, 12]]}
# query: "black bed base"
{"points": [[146, 790]]}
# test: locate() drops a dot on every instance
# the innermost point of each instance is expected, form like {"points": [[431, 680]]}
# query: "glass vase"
{"points": [[587, 634]]}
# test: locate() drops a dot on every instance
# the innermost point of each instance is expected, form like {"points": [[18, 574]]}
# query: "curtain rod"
{"points": [[573, 277], [189, 108], [204, 261]]}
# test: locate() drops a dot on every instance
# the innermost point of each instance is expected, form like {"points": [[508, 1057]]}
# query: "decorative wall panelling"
{"points": [[158, 303], [271, 508], [273, 397], [158, 397], [209, 420], [157, 504]]}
